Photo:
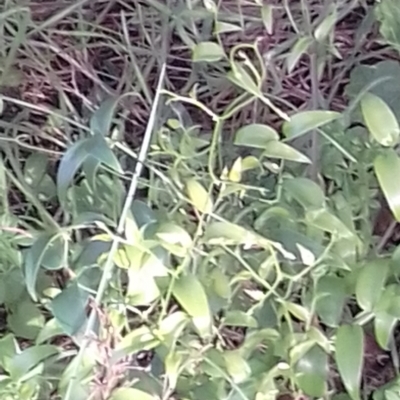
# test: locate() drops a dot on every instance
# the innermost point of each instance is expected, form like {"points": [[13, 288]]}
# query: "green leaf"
{"points": [[370, 283], [142, 213], [240, 77], [236, 366], [131, 394], [380, 120], [384, 324], [312, 372], [94, 146], [100, 123], [328, 222], [267, 15], [305, 191], [255, 135], [306, 121], [382, 79], [275, 149], [299, 48], [33, 261], [207, 52], [239, 318], [331, 300], [26, 321], [224, 27], [35, 169], [199, 197], [191, 295], [56, 253], [388, 14], [69, 308], [326, 26], [349, 354], [22, 363], [8, 349], [387, 169]]}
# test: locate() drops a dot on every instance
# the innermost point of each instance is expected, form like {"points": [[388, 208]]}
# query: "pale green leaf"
{"points": [[380, 120], [225, 27], [267, 14], [255, 135], [305, 191], [326, 26], [298, 50], [387, 170], [384, 324], [199, 197], [306, 121], [207, 52], [131, 394], [275, 149]]}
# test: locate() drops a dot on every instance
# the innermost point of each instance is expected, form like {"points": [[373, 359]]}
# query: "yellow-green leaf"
{"points": [[207, 52], [387, 170], [380, 120], [326, 26], [190, 294], [199, 197]]}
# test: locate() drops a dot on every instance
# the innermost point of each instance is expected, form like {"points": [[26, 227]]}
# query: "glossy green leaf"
{"points": [[255, 135], [275, 149], [306, 121], [370, 283], [207, 52], [380, 120], [349, 355], [305, 191], [331, 292], [384, 324], [387, 169], [29, 358], [298, 50], [191, 295], [69, 308], [199, 197], [326, 26], [100, 123], [312, 372], [131, 394]]}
